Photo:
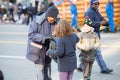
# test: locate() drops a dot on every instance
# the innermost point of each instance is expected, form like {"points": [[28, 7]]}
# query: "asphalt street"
{"points": [[15, 66]]}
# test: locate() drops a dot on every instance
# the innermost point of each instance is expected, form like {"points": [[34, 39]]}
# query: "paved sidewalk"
{"points": [[13, 43]]}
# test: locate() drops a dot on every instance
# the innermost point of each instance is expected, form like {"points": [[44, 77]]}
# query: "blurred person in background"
{"points": [[1, 75], [110, 15], [19, 10], [30, 13], [24, 14], [74, 14], [36, 5], [43, 8], [11, 12], [1, 14]]}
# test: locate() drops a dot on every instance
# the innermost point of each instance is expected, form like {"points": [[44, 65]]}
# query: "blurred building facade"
{"points": [[82, 6]]}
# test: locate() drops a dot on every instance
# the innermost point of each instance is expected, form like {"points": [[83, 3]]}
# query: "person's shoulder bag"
{"points": [[34, 48]]}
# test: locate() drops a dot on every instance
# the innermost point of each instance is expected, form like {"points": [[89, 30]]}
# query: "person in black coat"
{"points": [[1, 75]]}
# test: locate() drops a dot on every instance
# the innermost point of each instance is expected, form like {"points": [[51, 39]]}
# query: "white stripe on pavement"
{"points": [[13, 42], [16, 33], [12, 57], [110, 45], [22, 42], [118, 63]]}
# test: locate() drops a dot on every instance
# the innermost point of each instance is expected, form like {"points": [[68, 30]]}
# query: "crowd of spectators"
{"points": [[24, 13]]}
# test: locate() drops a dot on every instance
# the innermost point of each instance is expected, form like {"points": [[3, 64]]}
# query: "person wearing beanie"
{"points": [[52, 12], [40, 32], [88, 44], [97, 20]]}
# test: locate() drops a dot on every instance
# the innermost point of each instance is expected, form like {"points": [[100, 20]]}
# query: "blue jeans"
{"points": [[99, 57], [74, 22], [111, 24], [100, 60]]}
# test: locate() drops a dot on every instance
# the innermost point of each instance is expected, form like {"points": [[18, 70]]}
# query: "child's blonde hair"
{"points": [[63, 29]]}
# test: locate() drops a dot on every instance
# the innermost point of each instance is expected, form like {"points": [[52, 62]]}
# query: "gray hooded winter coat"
{"points": [[39, 31]]}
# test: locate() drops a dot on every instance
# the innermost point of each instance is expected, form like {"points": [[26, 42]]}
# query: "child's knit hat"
{"points": [[87, 25], [88, 21]]}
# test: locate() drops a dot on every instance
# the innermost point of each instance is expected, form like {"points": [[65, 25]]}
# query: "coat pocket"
{"points": [[32, 57], [33, 51], [35, 48]]}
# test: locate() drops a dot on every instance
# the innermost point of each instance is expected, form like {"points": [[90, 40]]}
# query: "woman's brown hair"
{"points": [[63, 29]]}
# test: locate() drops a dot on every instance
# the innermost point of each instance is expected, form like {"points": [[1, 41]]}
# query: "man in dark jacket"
{"points": [[97, 20], [40, 31]]}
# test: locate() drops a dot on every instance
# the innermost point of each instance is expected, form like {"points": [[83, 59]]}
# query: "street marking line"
{"points": [[111, 46], [22, 42], [12, 25], [118, 63], [12, 42], [12, 57], [13, 32]]}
